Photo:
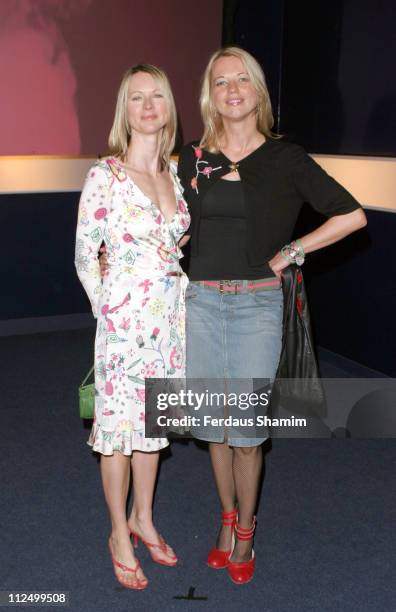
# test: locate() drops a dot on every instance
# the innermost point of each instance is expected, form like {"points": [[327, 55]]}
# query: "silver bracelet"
{"points": [[293, 252]]}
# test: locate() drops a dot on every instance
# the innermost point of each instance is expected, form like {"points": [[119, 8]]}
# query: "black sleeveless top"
{"points": [[222, 250]]}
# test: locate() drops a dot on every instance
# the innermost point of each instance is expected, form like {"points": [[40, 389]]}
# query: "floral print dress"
{"points": [[139, 304]]}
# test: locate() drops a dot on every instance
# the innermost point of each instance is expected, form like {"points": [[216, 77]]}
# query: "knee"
{"points": [[247, 451]]}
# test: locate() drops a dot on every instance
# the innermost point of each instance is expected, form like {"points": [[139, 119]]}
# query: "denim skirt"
{"points": [[230, 340]]}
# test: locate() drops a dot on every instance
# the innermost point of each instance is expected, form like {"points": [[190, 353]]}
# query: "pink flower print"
{"points": [[185, 222], [155, 333], [207, 170], [142, 417], [109, 388], [125, 324], [127, 237], [164, 254], [110, 325], [108, 412], [117, 170], [105, 309], [100, 213], [141, 394], [149, 370], [175, 359], [124, 302], [146, 284], [198, 152], [158, 220], [144, 302], [181, 206]]}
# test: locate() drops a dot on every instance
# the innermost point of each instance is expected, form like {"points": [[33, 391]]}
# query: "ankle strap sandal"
{"points": [[240, 573], [218, 559]]}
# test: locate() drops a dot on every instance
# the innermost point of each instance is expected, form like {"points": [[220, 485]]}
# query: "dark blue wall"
{"points": [[338, 91], [38, 253], [256, 25], [330, 68], [352, 291]]}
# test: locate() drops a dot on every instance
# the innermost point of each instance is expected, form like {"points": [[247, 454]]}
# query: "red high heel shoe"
{"points": [[240, 573], [140, 585], [162, 547], [218, 559]]}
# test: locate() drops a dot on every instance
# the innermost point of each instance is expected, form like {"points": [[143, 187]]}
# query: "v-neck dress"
{"points": [[139, 304]]}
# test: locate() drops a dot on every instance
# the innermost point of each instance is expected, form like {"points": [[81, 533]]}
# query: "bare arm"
{"points": [[90, 233], [329, 232], [184, 240]]}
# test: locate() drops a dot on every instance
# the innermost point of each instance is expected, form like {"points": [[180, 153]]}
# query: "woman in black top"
{"points": [[245, 188]]}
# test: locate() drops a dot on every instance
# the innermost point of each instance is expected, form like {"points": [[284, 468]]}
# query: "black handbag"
{"points": [[297, 387]]}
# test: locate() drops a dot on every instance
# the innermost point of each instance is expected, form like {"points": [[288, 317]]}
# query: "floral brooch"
{"points": [[206, 170], [116, 169]]}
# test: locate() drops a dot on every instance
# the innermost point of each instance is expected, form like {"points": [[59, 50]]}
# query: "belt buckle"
{"points": [[235, 284], [229, 283], [223, 283]]}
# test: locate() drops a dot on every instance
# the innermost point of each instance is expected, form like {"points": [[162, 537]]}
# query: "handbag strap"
{"points": [[289, 284], [87, 376]]}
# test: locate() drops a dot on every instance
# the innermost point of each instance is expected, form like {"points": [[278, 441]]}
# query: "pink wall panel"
{"points": [[61, 63]]}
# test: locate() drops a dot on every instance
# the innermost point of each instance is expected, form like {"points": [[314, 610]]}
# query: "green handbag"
{"points": [[86, 395]]}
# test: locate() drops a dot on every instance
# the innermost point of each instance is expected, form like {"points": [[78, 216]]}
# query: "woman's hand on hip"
{"points": [[104, 265], [277, 264], [183, 240]]}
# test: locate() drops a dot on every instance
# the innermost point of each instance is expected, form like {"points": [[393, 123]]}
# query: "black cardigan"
{"points": [[277, 179]]}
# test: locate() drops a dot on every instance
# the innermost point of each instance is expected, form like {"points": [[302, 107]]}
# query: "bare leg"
{"points": [[247, 463], [144, 470], [115, 471], [221, 457]]}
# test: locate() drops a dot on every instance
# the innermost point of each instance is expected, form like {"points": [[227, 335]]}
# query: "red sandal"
{"points": [[241, 573], [218, 559], [162, 547], [140, 585]]}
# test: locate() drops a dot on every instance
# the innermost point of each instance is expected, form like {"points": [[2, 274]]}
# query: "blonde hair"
{"points": [[213, 124], [120, 133]]}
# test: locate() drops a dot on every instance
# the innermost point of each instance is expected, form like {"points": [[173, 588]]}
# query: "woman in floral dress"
{"points": [[132, 201]]}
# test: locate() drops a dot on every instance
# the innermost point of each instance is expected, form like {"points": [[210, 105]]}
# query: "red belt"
{"points": [[240, 286]]}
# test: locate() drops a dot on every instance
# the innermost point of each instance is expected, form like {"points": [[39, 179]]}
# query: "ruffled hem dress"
{"points": [[139, 304]]}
